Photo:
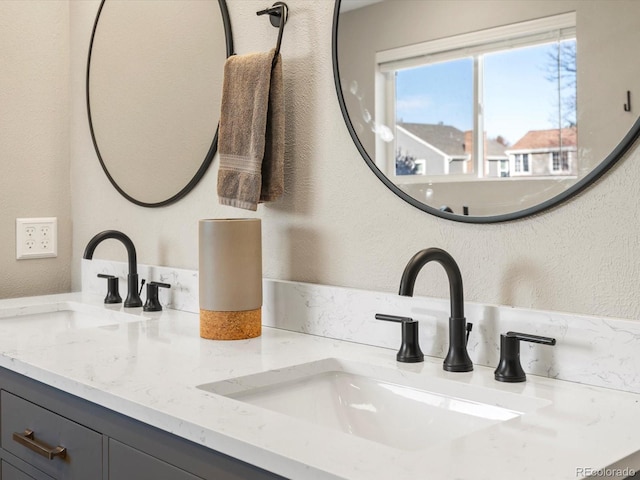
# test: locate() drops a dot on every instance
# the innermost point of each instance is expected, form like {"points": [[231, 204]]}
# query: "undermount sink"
{"points": [[60, 316], [404, 410]]}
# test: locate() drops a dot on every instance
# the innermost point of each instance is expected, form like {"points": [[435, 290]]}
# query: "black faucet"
{"points": [[410, 347], [457, 359], [509, 369], [113, 287], [133, 297], [153, 302]]}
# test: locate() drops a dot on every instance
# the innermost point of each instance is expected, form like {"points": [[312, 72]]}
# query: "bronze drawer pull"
{"points": [[27, 439]]}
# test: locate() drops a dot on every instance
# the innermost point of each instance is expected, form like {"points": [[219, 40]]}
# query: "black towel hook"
{"points": [[627, 106], [278, 14]]}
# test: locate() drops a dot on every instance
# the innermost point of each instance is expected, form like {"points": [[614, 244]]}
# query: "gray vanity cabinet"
{"points": [[38, 421]]}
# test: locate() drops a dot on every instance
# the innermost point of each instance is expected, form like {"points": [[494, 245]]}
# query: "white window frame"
{"points": [[531, 32], [561, 153], [525, 158], [519, 157], [553, 163], [504, 167], [568, 154]]}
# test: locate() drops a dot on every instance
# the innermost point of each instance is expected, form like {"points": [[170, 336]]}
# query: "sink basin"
{"points": [[61, 316], [404, 410]]}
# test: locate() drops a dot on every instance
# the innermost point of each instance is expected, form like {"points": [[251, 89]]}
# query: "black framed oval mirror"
{"points": [[485, 111], [153, 87]]}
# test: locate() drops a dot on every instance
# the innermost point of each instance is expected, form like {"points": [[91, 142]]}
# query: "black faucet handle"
{"points": [[393, 318], [153, 302], [410, 348], [527, 337], [509, 369], [113, 294]]}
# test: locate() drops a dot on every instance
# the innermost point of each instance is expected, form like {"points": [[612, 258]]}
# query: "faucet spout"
{"points": [[457, 359], [133, 296]]}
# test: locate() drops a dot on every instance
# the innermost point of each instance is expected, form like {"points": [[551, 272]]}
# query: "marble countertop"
{"points": [[149, 369]]}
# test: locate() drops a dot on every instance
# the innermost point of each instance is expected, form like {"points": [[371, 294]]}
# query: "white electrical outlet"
{"points": [[36, 237]]}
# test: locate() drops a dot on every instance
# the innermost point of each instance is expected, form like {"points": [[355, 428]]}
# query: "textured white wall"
{"points": [[34, 139], [338, 225]]}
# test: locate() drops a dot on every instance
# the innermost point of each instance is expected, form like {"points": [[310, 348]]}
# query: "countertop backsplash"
{"points": [[597, 351]]}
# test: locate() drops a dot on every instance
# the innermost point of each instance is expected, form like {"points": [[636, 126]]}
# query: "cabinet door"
{"points": [[128, 463]]}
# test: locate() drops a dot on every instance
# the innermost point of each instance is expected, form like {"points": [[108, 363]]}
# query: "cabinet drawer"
{"points": [[9, 472], [82, 458]]}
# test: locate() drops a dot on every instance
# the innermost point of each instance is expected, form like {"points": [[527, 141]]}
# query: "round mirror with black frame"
{"points": [[485, 111], [153, 92]]}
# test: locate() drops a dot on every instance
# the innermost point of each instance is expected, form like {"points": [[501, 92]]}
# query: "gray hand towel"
{"points": [[251, 132]]}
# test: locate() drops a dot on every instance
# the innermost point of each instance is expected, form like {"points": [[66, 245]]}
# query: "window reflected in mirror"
{"points": [[501, 104]]}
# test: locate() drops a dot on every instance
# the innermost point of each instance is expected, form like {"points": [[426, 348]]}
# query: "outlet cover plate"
{"points": [[36, 237]]}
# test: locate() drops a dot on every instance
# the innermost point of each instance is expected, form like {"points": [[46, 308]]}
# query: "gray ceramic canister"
{"points": [[230, 264]]}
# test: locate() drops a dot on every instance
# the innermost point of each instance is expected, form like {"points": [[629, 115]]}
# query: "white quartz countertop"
{"points": [[150, 369]]}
